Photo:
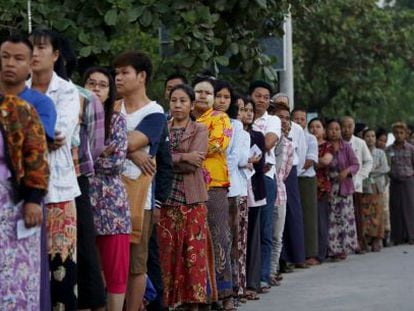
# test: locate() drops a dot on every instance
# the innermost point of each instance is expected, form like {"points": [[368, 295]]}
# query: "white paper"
{"points": [[249, 172], [23, 232], [255, 151]]}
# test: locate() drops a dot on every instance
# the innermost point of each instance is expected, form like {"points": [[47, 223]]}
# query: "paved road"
{"points": [[374, 281]]}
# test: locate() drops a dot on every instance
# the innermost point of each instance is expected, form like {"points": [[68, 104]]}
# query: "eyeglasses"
{"points": [[93, 84]]}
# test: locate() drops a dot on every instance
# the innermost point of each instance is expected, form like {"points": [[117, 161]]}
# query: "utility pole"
{"points": [[286, 77]]}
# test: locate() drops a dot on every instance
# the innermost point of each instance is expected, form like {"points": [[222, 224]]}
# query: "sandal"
{"points": [[228, 305], [274, 280], [264, 289], [279, 276], [251, 295]]}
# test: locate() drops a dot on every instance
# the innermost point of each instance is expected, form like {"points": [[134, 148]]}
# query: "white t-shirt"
{"points": [[269, 124], [297, 136], [312, 153], [133, 120]]}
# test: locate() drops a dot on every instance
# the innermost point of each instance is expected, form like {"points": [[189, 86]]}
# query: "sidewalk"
{"points": [[375, 281]]}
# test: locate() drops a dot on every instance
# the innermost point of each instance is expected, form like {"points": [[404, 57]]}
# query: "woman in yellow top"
{"points": [[217, 179]]}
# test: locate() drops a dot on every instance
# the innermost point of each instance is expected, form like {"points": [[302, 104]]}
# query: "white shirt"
{"points": [[364, 159], [243, 160], [297, 135], [269, 124], [235, 155], [63, 184], [312, 153], [133, 119], [251, 202]]}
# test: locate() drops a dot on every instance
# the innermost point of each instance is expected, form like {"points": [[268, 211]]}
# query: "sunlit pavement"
{"points": [[375, 281]]}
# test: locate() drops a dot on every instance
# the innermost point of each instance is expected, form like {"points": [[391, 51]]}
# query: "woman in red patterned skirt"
{"points": [[183, 233]]}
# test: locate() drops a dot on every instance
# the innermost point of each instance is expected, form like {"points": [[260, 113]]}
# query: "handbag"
{"points": [[137, 191]]}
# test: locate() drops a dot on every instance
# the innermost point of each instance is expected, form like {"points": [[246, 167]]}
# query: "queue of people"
{"points": [[112, 202]]}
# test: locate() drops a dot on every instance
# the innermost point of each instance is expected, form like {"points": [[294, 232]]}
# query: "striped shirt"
{"points": [[284, 153], [92, 132]]}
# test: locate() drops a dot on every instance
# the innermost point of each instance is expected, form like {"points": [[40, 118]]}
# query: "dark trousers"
{"points": [[362, 243], [253, 262], [91, 291], [323, 227], [154, 271]]}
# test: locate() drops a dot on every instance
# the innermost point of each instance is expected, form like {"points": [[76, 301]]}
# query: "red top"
{"points": [[322, 173]]}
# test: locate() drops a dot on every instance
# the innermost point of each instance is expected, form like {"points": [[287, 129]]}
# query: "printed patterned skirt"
{"points": [[372, 216], [242, 245], [19, 260], [61, 230], [218, 223], [183, 243], [342, 228]]}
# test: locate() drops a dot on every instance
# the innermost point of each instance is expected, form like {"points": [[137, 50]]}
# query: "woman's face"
{"points": [[98, 83], [370, 138], [222, 100], [180, 105], [204, 92], [248, 114], [316, 128], [241, 113], [44, 57], [382, 142], [334, 131]]}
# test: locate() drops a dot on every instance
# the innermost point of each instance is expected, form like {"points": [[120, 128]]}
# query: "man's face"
{"points": [[127, 80], [299, 117], [15, 62], [168, 87], [400, 134], [348, 127], [284, 117], [261, 97]]}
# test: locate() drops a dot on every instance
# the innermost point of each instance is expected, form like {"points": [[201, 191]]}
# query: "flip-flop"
{"points": [[251, 296], [264, 289], [228, 305]]}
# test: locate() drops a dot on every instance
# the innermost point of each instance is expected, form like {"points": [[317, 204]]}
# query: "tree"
{"points": [[349, 55], [204, 34]]}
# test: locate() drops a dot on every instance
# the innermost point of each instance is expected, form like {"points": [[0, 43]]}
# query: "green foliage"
{"points": [[353, 57], [204, 34]]}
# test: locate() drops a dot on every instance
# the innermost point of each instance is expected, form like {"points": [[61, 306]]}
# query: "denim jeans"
{"points": [[266, 228]]}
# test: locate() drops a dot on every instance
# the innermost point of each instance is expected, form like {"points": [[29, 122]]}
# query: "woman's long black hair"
{"points": [[110, 101]]}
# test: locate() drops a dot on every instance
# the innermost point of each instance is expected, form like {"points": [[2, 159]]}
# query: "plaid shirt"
{"points": [[401, 161], [92, 132], [282, 172]]}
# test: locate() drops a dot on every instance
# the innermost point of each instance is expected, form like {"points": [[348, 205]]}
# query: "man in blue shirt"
{"points": [[16, 54]]}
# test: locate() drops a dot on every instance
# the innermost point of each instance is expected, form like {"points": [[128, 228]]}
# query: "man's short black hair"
{"points": [[20, 39], [300, 109], [258, 83], [280, 107], [140, 61], [176, 76]]}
